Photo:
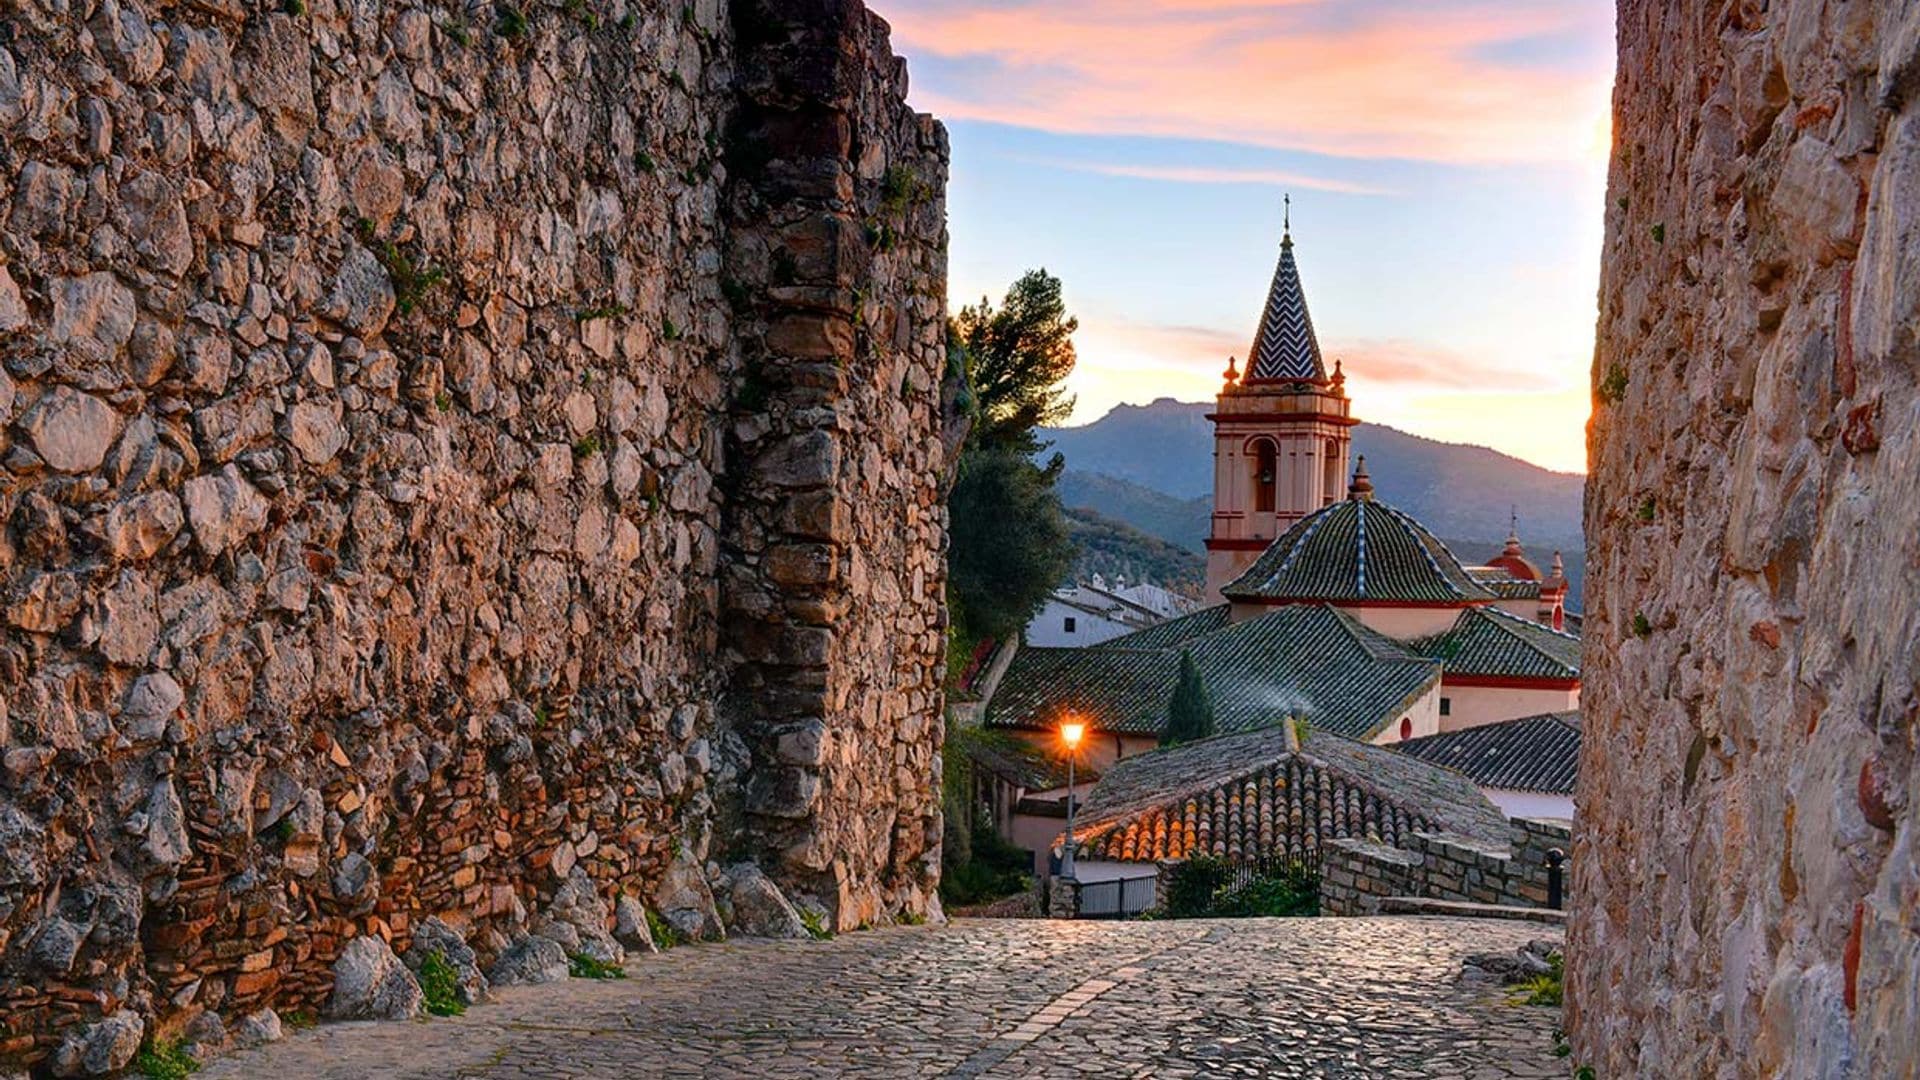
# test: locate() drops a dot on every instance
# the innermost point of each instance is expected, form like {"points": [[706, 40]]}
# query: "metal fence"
{"points": [[1121, 898], [1275, 885]]}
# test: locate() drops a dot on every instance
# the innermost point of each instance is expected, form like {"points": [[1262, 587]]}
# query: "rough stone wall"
{"points": [[385, 408], [1745, 883], [1356, 875]]}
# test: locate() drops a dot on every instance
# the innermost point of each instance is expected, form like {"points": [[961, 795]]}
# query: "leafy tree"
{"points": [[1018, 357], [1009, 541], [1190, 713]]}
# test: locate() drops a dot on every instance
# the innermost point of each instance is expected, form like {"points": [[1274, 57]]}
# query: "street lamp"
{"points": [[1070, 733]]}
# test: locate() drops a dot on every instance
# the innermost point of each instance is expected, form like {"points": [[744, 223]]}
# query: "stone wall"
{"points": [[1745, 892], [1356, 875], [445, 450]]}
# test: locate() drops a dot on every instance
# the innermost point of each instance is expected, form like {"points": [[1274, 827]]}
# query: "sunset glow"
{"points": [[1446, 160]]}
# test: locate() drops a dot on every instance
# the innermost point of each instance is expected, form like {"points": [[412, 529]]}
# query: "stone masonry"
{"points": [[478, 462], [1356, 875], [1745, 889]]}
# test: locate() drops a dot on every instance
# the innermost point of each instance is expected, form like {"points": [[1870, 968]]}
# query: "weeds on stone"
{"points": [[411, 280], [443, 401], [600, 311], [440, 983], [644, 161], [1613, 388], [165, 1061], [1561, 1047], [509, 21], [816, 926], [299, 1019], [579, 10], [628, 22], [295, 8], [283, 829], [901, 189], [1660, 233], [457, 31], [582, 966], [664, 934], [1641, 627], [1648, 509], [668, 330], [1545, 989], [586, 447], [909, 918], [1584, 1072]]}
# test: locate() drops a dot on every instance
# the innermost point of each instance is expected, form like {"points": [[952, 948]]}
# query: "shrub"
{"points": [[164, 1061], [440, 983], [582, 966], [1545, 989], [664, 934]]}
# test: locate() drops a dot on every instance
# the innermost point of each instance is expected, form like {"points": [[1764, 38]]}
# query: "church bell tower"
{"points": [[1281, 432]]}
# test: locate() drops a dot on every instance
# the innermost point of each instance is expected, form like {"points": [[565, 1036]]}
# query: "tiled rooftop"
{"points": [[1535, 753], [1491, 642], [1254, 794], [1309, 661], [1358, 550]]}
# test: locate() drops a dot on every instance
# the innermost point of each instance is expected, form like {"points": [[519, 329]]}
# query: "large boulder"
{"points": [[579, 906], [102, 1048], [528, 961], [370, 983], [630, 925], [434, 936], [758, 909]]}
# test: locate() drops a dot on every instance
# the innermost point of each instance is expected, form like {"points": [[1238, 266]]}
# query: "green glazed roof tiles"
{"points": [[1354, 551]]}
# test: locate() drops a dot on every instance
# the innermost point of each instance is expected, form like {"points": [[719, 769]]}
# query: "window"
{"points": [[1406, 727], [1446, 704], [1069, 624], [1263, 476]]}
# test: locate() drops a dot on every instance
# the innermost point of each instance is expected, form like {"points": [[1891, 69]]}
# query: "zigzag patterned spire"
{"points": [[1285, 347]]}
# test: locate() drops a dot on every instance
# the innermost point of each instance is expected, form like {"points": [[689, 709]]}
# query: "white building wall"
{"points": [[1423, 718], [1405, 623], [1530, 804], [1049, 628]]}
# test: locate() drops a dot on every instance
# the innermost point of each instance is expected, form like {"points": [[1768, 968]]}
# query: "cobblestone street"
{"points": [[1278, 997]]}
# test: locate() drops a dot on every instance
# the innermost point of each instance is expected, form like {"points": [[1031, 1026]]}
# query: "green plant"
{"points": [[295, 8], [587, 446], [457, 31], [582, 966], [509, 21], [443, 401], [601, 311], [1660, 233], [644, 161], [668, 330], [1641, 627], [283, 829], [1613, 388], [1621, 202], [539, 716], [1543, 989], [165, 1061], [1301, 727], [578, 9], [440, 984], [816, 927], [628, 22], [900, 189], [665, 936], [1584, 1072], [411, 281], [912, 918], [299, 1019], [1648, 509]]}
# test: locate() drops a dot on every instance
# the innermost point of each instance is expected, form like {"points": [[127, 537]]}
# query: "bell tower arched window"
{"points": [[1264, 475], [1330, 473]]}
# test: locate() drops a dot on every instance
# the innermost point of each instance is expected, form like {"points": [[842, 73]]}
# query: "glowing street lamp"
{"points": [[1071, 732]]}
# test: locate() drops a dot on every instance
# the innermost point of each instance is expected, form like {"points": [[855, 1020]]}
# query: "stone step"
{"points": [[1459, 909]]}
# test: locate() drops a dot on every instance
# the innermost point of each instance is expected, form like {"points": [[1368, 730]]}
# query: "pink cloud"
{"points": [[1202, 175], [1457, 82]]}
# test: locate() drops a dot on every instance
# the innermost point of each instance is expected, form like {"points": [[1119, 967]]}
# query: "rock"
{"points": [[354, 879], [257, 1028], [224, 509], [23, 854], [129, 620], [102, 1048], [166, 831], [93, 315], [55, 946], [151, 702], [370, 983], [72, 431], [578, 904], [140, 527], [361, 299], [528, 961], [13, 309], [314, 430], [205, 1036], [759, 909], [630, 926], [434, 936], [685, 901]]}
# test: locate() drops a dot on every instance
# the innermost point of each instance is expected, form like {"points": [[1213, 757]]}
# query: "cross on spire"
{"points": [[1286, 212]]}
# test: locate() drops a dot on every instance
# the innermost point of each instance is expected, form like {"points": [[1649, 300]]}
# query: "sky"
{"points": [[1446, 161]]}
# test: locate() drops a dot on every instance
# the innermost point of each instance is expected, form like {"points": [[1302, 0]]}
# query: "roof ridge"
{"points": [[1532, 624], [1416, 528], [1510, 625]]}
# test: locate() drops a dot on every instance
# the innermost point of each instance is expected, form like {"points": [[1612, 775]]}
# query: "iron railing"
{"points": [[1120, 898]]}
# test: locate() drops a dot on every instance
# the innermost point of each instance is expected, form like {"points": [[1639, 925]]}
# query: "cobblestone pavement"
{"points": [[991, 998]]}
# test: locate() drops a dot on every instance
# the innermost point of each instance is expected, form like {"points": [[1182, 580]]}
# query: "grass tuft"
{"points": [[441, 985], [165, 1061], [582, 966]]}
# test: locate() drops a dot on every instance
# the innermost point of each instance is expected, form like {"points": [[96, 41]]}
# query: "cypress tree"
{"points": [[1190, 713]]}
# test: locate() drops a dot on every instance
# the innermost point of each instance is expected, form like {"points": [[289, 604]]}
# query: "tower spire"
{"points": [[1284, 346], [1286, 217]]}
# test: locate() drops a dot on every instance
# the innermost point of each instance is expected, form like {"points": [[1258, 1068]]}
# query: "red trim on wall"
{"points": [[1273, 602], [1509, 682], [1230, 544], [1331, 418]]}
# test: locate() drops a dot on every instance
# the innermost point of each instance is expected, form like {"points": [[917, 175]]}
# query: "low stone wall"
{"points": [[1356, 875]]}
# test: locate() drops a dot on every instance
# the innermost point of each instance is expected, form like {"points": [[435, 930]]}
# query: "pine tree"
{"points": [[1190, 713]]}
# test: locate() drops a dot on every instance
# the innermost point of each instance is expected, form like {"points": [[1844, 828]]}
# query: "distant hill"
{"points": [[1114, 549], [1151, 466]]}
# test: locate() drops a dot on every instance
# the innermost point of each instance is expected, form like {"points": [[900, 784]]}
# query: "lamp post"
{"points": [[1070, 733]]}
